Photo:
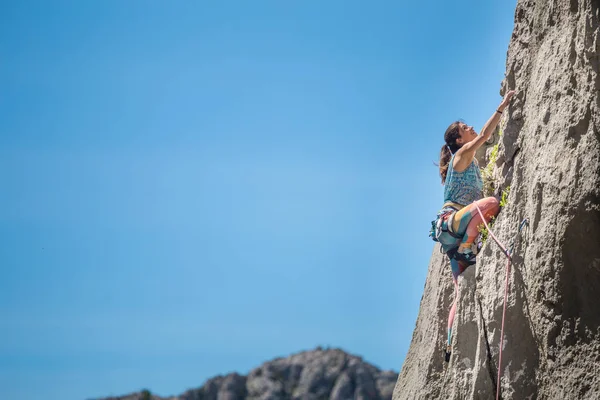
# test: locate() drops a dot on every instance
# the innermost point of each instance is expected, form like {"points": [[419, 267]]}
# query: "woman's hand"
{"points": [[506, 100]]}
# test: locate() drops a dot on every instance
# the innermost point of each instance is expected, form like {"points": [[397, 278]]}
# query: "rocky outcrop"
{"points": [[549, 155], [318, 374]]}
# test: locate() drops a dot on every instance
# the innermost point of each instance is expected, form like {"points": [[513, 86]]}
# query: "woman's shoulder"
{"points": [[451, 162]]}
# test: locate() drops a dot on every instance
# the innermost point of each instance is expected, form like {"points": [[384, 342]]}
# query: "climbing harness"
{"points": [[441, 230], [508, 254]]}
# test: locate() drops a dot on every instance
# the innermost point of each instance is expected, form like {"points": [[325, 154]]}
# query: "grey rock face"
{"points": [[550, 157], [310, 375], [230, 387]]}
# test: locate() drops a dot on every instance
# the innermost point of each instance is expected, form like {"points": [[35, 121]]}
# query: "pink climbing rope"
{"points": [[507, 254]]}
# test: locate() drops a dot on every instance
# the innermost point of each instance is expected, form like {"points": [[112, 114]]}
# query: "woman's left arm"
{"points": [[491, 124], [468, 150]]}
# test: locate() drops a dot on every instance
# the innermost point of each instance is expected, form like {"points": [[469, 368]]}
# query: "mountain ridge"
{"points": [[319, 373]]}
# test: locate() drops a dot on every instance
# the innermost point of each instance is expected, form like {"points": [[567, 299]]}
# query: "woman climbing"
{"points": [[458, 220]]}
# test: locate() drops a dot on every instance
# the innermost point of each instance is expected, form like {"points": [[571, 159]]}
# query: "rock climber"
{"points": [[456, 225]]}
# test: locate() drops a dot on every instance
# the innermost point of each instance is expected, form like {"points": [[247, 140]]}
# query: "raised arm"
{"points": [[465, 154]]}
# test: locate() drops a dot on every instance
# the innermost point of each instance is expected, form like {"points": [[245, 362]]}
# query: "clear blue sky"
{"points": [[192, 188]]}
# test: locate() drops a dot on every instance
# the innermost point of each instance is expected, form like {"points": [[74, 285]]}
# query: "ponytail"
{"points": [[450, 136], [445, 156]]}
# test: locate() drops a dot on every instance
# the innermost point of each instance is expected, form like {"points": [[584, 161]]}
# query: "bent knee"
{"points": [[490, 206], [491, 203]]}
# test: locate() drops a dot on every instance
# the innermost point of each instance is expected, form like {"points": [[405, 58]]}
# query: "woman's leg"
{"points": [[467, 220], [466, 223], [456, 270]]}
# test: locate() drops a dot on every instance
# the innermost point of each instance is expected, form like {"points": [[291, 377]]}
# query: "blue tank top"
{"points": [[463, 187]]}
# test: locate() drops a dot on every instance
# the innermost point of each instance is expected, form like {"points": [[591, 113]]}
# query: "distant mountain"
{"points": [[310, 375]]}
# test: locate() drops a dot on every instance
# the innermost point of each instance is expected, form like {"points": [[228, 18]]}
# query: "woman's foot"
{"points": [[466, 256]]}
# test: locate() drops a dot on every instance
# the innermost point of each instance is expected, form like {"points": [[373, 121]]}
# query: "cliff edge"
{"points": [[549, 158]]}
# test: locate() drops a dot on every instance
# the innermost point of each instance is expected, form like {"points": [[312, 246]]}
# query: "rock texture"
{"points": [[550, 156], [317, 374]]}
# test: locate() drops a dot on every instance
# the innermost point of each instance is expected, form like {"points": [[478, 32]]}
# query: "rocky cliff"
{"points": [[317, 374], [549, 156]]}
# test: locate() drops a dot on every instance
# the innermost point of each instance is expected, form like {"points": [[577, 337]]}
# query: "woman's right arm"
{"points": [[488, 128]]}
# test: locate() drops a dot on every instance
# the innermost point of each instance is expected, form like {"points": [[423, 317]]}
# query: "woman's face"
{"points": [[467, 133]]}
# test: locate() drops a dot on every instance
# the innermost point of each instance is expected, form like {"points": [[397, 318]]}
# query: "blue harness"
{"points": [[441, 229]]}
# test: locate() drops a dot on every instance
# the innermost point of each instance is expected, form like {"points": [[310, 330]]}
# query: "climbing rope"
{"points": [[508, 254]]}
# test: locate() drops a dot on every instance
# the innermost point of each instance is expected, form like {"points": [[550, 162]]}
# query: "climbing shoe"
{"points": [[467, 257], [451, 252], [447, 354]]}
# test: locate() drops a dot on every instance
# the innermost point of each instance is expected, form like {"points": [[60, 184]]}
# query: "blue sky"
{"points": [[191, 188]]}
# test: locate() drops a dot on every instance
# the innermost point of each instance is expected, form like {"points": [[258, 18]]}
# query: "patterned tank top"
{"points": [[463, 187]]}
